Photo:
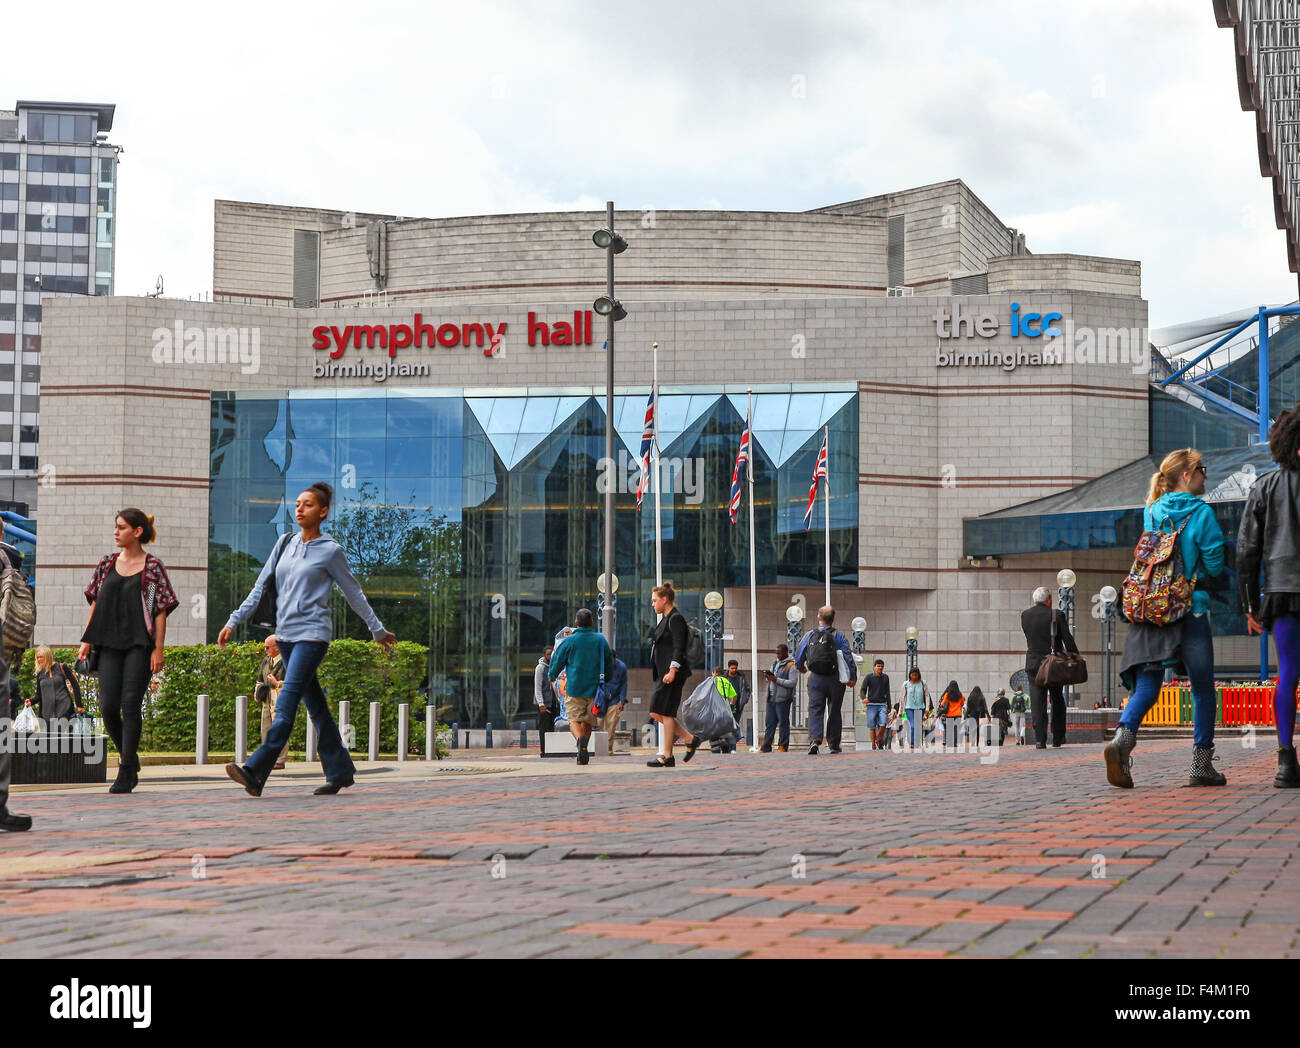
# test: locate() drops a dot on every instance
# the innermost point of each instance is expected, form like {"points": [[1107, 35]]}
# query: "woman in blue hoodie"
{"points": [[1174, 501]]}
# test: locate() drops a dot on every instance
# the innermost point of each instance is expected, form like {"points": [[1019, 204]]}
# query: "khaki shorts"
{"points": [[579, 711]]}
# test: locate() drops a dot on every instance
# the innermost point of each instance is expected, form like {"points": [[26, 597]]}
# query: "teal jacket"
{"points": [[585, 654], [1202, 539]]}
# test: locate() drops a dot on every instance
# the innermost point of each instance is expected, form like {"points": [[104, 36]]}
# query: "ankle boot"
{"points": [[1119, 765], [1203, 773], [1288, 771]]}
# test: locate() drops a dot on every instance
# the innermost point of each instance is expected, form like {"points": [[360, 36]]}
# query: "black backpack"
{"points": [[1018, 702], [694, 646], [822, 652]]}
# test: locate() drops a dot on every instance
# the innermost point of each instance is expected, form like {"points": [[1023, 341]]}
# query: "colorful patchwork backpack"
{"points": [[1156, 591]]}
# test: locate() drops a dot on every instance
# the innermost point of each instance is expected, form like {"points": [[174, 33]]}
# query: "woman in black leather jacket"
{"points": [[1269, 537]]}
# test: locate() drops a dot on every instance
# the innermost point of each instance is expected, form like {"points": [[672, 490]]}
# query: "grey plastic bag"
{"points": [[706, 713]]}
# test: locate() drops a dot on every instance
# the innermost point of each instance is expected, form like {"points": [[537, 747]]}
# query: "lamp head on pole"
{"points": [[859, 625], [794, 614], [713, 600], [911, 632], [1065, 578], [1108, 594]]}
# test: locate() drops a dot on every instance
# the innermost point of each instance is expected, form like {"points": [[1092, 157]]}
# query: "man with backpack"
{"points": [[825, 656], [1019, 706], [18, 620]]}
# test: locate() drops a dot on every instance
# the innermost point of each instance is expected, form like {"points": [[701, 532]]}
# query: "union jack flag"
{"points": [[819, 472], [647, 441], [741, 460]]}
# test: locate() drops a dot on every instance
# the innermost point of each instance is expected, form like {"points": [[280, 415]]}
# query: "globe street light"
{"points": [[1065, 580], [712, 630], [602, 601], [1108, 597]]}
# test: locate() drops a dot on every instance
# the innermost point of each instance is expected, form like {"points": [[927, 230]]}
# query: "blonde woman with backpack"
{"points": [[1174, 503]]}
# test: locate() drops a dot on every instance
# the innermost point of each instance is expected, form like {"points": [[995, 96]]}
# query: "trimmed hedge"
{"points": [[360, 672]]}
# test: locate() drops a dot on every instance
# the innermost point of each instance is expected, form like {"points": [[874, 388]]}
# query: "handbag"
{"points": [[263, 615], [1060, 669], [600, 704], [89, 666]]}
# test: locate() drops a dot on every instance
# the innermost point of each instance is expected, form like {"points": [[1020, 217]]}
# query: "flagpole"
{"points": [[826, 488], [659, 532], [753, 577]]}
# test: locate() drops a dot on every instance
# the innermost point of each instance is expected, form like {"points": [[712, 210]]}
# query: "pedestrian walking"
{"points": [[825, 656], [781, 679], [949, 712], [976, 713], [58, 692], [130, 598], [669, 668], [1019, 707], [1036, 624], [1187, 644], [1269, 537], [743, 693], [305, 567], [12, 561], [270, 679], [1001, 712], [586, 659], [875, 696], [544, 695], [617, 691], [916, 702]]}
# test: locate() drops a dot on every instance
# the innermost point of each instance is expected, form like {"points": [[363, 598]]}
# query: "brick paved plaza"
{"points": [[903, 855]]}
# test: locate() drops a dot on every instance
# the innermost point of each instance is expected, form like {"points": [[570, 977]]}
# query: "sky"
{"points": [[1098, 127]]}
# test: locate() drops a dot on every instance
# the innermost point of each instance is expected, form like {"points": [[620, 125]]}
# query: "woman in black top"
{"points": [[669, 670], [130, 598]]}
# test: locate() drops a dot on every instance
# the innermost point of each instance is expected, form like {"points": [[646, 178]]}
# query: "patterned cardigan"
{"points": [[156, 591]]}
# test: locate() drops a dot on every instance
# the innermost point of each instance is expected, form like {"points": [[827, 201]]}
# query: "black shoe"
{"points": [[765, 749], [1056, 745], [127, 779], [1040, 745], [696, 742], [14, 823], [812, 750], [245, 778], [836, 749], [1203, 773], [662, 762], [1288, 771], [329, 788]]}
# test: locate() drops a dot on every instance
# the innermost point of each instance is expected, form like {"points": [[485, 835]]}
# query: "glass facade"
{"points": [[474, 519]]}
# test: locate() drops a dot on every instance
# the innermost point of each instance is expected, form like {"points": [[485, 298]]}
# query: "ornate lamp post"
{"points": [[1065, 580], [712, 630], [911, 635], [1108, 597]]}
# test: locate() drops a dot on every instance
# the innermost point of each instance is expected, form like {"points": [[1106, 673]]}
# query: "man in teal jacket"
{"points": [[586, 656]]}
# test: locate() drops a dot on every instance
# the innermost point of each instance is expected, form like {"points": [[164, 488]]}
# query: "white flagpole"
{"points": [[826, 489], [753, 578], [654, 450]]}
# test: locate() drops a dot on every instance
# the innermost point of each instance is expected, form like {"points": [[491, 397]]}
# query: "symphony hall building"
{"points": [[447, 376]]}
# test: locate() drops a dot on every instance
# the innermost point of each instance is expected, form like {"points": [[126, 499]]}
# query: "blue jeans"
{"points": [[1198, 657], [301, 660], [914, 732], [877, 715], [778, 716]]}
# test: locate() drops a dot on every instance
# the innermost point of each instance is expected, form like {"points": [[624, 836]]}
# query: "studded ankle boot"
{"points": [[1119, 766], [1203, 773], [1288, 771]]}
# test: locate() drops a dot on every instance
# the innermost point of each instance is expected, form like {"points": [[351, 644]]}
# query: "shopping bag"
{"points": [[83, 724], [706, 713], [26, 721]]}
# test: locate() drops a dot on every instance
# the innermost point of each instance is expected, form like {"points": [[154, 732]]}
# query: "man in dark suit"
{"points": [[1037, 624]]}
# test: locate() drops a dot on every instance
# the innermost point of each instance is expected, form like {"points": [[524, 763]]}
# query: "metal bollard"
{"points": [[403, 729], [488, 743], [311, 741], [201, 731], [345, 724], [374, 731], [523, 736], [430, 733], [241, 729], [455, 734]]}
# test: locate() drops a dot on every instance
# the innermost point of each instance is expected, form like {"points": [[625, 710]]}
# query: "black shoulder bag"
{"points": [[263, 615]]}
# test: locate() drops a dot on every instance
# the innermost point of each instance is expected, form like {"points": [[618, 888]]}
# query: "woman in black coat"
{"points": [[669, 669]]}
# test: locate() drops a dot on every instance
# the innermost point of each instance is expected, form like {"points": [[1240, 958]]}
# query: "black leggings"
{"points": [[123, 678]]}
